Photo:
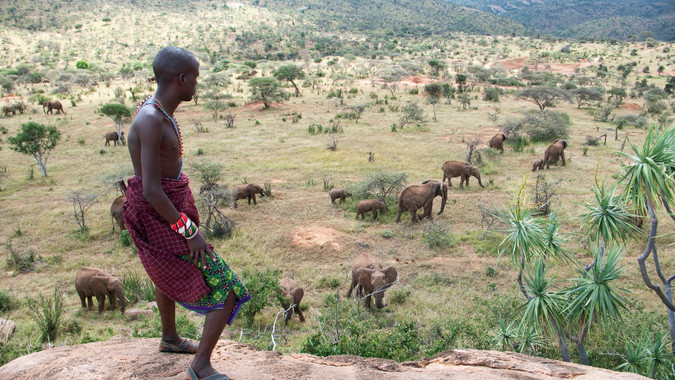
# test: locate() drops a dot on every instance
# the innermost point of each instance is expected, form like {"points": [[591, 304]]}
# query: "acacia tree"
{"points": [[433, 92], [587, 95], [290, 73], [412, 113], [36, 140], [266, 90], [358, 110], [544, 96], [117, 112], [460, 79]]}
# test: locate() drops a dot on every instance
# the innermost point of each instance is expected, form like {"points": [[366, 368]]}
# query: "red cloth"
{"points": [[160, 247]]}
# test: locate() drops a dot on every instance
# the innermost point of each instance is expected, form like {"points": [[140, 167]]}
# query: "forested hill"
{"points": [[623, 19], [419, 17]]}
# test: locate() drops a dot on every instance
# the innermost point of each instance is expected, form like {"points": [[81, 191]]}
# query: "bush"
{"points": [[636, 121], [546, 126], [517, 143], [21, 261], [436, 235], [262, 285], [47, 313], [125, 238], [7, 302], [491, 94]]}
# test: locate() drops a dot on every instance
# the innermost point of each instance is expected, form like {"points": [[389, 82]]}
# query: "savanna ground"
{"points": [[297, 230]]}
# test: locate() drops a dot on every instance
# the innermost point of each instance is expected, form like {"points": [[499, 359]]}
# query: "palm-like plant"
{"points": [[656, 355], [649, 183], [505, 336], [634, 358], [593, 299]]}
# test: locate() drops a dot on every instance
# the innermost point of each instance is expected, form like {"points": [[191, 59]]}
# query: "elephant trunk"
{"points": [[122, 299], [444, 198], [379, 301], [479, 182]]}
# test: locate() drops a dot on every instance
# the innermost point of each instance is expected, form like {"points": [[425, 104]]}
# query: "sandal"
{"points": [[185, 347], [192, 375]]}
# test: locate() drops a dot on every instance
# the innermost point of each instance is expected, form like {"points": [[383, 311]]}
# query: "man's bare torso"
{"points": [[145, 124]]}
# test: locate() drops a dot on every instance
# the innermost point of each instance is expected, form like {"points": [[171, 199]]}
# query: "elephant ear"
{"points": [[390, 277], [564, 144], [100, 283], [297, 294], [364, 274]]}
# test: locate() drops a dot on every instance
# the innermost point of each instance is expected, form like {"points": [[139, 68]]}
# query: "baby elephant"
{"points": [[371, 279], [112, 136], [94, 282], [538, 164], [339, 194], [291, 293], [367, 205], [249, 191]]}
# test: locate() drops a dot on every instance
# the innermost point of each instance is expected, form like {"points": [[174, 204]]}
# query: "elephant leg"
{"points": [[563, 157], [351, 287], [368, 301], [298, 310], [414, 216], [398, 215], [254, 202], [374, 214], [82, 299], [101, 303]]}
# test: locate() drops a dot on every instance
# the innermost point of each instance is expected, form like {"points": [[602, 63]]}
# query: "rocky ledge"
{"points": [[135, 358]]}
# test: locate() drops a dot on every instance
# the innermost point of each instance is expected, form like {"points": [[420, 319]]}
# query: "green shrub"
{"points": [[636, 121], [152, 327], [82, 64], [491, 94], [46, 313], [7, 302], [21, 261], [262, 285], [105, 19], [436, 235], [546, 126], [517, 143], [398, 296], [125, 238]]}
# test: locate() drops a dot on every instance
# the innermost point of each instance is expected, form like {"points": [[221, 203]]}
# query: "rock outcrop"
{"points": [[136, 358]]}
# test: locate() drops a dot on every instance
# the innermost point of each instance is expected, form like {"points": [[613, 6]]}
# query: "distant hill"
{"points": [[421, 17], [587, 18]]}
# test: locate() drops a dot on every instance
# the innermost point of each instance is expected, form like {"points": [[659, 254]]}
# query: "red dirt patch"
{"points": [[313, 236], [520, 62], [631, 107]]}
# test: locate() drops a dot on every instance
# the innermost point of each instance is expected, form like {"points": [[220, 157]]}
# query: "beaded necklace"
{"points": [[172, 120]]}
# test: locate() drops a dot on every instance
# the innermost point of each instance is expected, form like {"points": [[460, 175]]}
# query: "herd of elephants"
{"points": [[368, 276]]}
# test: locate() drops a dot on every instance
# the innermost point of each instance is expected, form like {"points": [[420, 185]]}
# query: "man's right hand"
{"points": [[199, 250]]}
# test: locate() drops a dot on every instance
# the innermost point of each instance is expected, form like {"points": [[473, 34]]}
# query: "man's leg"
{"points": [[167, 313], [213, 326]]}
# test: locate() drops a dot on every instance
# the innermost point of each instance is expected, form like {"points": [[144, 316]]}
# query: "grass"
{"points": [[436, 279]]}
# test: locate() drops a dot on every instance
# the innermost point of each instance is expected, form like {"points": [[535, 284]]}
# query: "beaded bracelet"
{"points": [[186, 227]]}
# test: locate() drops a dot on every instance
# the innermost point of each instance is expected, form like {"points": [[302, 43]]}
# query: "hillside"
{"points": [[587, 18]]}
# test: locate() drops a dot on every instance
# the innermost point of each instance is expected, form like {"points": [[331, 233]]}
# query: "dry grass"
{"points": [[262, 148]]}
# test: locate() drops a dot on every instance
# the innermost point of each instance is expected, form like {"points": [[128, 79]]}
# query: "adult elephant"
{"points": [[368, 205], [461, 169], [370, 279], [49, 105], [414, 197], [497, 142], [94, 282], [555, 151], [291, 293], [114, 137], [247, 191], [6, 110]]}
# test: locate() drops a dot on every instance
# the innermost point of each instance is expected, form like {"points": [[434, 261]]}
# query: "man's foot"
{"points": [[185, 347], [192, 375]]}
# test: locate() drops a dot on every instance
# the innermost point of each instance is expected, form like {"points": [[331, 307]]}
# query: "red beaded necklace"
{"points": [[172, 120]]}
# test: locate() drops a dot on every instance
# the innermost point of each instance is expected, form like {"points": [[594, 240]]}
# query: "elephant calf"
{"points": [[371, 279], [367, 205], [339, 194], [497, 142], [249, 191], [94, 282], [460, 169], [538, 164], [114, 137], [291, 293], [414, 197], [117, 207]]}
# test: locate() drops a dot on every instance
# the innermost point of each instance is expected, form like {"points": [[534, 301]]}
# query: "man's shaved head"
{"points": [[171, 61]]}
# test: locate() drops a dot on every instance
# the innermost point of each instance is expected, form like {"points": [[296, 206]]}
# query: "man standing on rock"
{"points": [[163, 220]]}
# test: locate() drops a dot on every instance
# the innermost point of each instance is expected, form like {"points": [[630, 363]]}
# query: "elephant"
{"points": [[367, 205], [114, 137], [117, 207], [460, 169], [6, 110], [249, 191], [291, 293], [338, 194], [538, 164], [497, 142], [371, 279], [554, 151], [414, 197], [94, 282], [52, 105]]}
